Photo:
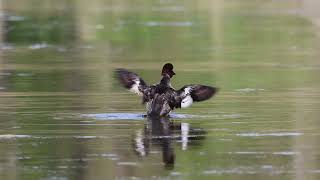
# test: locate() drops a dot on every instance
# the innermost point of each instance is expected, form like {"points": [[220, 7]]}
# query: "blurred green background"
{"points": [[57, 61]]}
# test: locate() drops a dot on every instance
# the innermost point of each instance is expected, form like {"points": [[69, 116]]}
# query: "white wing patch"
{"points": [[135, 87], [187, 90], [186, 102]]}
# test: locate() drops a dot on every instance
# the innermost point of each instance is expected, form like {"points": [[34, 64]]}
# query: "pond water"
{"points": [[63, 115]]}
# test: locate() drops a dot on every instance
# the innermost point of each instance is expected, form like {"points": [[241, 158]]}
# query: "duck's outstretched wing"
{"points": [[130, 81], [195, 93]]}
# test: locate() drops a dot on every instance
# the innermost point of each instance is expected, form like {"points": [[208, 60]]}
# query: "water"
{"points": [[63, 116]]}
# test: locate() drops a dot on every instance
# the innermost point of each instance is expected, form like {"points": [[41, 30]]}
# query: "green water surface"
{"points": [[57, 62]]}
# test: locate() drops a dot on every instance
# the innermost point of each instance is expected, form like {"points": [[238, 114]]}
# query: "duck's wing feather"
{"points": [[195, 93], [130, 81]]}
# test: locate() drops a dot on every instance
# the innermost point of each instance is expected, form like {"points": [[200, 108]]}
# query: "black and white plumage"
{"points": [[195, 93], [162, 98], [131, 81]]}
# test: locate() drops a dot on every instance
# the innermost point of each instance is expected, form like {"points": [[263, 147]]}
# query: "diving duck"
{"points": [[160, 99]]}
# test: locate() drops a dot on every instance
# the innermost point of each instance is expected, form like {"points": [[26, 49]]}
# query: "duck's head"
{"points": [[167, 70]]}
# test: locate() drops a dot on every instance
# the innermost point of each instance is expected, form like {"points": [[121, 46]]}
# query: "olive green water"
{"points": [[58, 97]]}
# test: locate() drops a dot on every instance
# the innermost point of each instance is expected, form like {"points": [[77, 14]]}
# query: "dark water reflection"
{"points": [[162, 133]]}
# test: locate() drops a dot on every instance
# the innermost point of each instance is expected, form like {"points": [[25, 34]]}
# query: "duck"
{"points": [[160, 99]]}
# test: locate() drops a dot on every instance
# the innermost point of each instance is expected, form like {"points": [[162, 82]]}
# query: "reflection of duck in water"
{"points": [[161, 132], [161, 99]]}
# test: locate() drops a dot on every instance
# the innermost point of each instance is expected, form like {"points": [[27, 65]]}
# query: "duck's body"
{"points": [[162, 98]]}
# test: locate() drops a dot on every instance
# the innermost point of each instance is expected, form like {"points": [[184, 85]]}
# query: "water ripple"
{"points": [[13, 136], [269, 134], [129, 116], [170, 24]]}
